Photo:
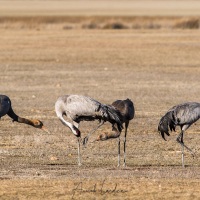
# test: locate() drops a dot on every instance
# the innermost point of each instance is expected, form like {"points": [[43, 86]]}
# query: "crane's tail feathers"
{"points": [[115, 116], [166, 123]]}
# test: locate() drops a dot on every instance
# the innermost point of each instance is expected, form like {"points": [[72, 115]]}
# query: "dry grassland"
{"points": [[156, 68], [100, 8]]}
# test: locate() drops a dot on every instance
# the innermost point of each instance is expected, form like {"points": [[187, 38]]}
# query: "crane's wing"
{"points": [[114, 116], [166, 123], [81, 106], [187, 113]]}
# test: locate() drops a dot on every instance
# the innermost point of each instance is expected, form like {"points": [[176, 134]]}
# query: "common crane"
{"points": [[79, 108], [127, 111], [6, 109], [183, 115]]}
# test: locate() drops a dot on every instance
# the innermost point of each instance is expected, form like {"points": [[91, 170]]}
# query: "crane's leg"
{"points": [[180, 141], [117, 135], [118, 152], [79, 156], [126, 127], [76, 124], [85, 140]]}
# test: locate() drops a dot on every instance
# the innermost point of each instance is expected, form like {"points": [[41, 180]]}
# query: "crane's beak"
{"points": [[45, 129]]}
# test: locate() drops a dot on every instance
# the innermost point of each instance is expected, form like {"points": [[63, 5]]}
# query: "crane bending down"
{"points": [[127, 111], [183, 115], [79, 108], [6, 108]]}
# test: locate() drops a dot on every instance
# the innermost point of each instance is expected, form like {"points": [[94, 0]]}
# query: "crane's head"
{"points": [[76, 131], [102, 137], [38, 124]]}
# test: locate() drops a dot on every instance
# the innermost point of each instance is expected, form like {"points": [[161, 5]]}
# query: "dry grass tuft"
{"points": [[67, 27], [150, 25], [193, 23], [91, 25], [99, 22], [115, 25]]}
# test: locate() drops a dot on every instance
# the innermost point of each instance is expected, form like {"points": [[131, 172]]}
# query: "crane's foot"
{"points": [[85, 140], [193, 155], [124, 165], [183, 145], [191, 152]]}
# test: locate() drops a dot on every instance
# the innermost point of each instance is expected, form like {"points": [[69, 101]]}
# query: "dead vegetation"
{"points": [[192, 23], [100, 22]]}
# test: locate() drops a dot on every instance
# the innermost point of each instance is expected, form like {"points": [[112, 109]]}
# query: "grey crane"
{"points": [[183, 115], [6, 109], [127, 111], [79, 108]]}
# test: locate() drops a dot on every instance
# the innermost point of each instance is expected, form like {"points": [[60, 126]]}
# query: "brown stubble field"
{"points": [[156, 68]]}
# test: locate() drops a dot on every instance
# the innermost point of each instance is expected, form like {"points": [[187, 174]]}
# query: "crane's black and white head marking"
{"points": [[76, 131]]}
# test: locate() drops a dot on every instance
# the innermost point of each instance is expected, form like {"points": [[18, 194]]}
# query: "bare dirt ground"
{"points": [[155, 68]]}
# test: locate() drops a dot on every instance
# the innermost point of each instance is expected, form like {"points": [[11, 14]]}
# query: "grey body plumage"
{"points": [[183, 115], [79, 108]]}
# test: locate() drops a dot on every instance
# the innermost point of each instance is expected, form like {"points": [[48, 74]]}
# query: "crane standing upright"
{"points": [[79, 108], [127, 111], [183, 115]]}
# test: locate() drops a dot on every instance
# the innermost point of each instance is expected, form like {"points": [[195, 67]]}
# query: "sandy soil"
{"points": [[157, 69]]}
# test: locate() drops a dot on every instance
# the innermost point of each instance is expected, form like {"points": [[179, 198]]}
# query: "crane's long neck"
{"points": [[74, 130], [19, 119]]}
